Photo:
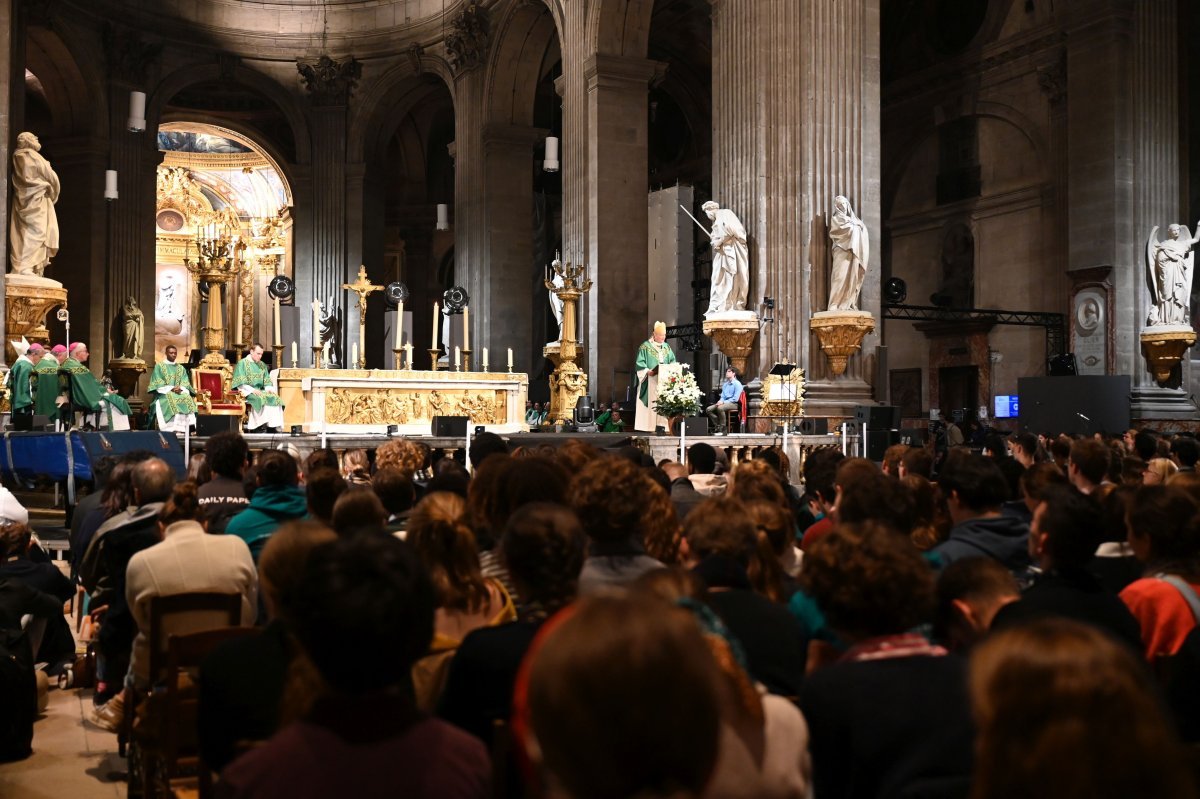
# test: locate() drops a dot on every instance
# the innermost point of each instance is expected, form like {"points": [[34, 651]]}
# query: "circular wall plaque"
{"points": [[169, 220]]}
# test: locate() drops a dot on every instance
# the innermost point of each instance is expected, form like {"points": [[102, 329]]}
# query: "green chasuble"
{"points": [[86, 391], [255, 375], [46, 386], [650, 355], [172, 374], [19, 394]]}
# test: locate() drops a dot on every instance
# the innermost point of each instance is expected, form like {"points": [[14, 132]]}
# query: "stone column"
{"points": [[8, 69], [472, 259], [796, 121], [615, 310], [1124, 168], [330, 84]]}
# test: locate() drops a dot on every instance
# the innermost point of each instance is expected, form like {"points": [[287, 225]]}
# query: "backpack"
{"points": [[18, 696]]}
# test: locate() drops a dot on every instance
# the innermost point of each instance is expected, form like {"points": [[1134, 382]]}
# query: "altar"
{"points": [[366, 401]]}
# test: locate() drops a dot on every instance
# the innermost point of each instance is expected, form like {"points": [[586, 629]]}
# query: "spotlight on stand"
{"points": [[585, 415], [895, 291]]}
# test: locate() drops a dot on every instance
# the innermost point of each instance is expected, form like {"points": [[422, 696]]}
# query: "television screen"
{"points": [[1006, 406]]}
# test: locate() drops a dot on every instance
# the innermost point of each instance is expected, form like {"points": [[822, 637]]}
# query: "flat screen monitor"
{"points": [[1006, 407]]}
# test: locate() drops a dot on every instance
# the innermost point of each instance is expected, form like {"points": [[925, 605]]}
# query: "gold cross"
{"points": [[363, 286]]}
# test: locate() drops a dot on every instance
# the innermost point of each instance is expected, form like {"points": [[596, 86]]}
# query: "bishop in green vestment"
{"points": [[88, 396], [651, 354], [252, 380], [20, 392], [47, 387], [174, 405]]}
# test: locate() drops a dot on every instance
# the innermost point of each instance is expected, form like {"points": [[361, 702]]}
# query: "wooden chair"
{"points": [[175, 614], [214, 395], [740, 415]]}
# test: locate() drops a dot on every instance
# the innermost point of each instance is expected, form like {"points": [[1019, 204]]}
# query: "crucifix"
{"points": [[362, 287]]}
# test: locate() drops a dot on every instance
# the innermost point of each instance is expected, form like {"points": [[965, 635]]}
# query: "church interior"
{"points": [[955, 211]]}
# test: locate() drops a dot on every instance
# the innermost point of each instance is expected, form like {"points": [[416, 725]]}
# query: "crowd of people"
{"points": [[588, 623]]}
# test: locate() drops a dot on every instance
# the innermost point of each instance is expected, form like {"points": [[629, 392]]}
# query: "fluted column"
{"points": [[796, 122], [472, 258], [572, 87], [8, 69], [329, 266], [618, 228]]}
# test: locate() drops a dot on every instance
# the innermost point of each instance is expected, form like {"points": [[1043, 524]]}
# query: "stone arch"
{"points": [[277, 158], [75, 99], [523, 38], [620, 27], [384, 103], [194, 74]]}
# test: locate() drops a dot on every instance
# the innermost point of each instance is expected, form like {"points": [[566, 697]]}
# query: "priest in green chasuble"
{"points": [[99, 406], [174, 406], [252, 381], [47, 387], [19, 382], [651, 354]]}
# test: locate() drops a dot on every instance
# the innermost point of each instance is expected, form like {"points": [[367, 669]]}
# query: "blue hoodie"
{"points": [[270, 507], [1004, 538]]}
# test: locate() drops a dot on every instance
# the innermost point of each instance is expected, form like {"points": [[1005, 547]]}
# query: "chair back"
{"points": [[180, 614], [213, 392]]}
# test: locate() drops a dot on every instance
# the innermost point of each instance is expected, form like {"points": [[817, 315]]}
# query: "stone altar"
{"points": [[368, 400]]}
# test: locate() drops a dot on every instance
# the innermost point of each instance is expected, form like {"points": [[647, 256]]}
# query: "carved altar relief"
{"points": [[398, 406]]}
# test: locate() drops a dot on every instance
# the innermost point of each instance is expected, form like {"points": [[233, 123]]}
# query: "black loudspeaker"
{"points": [[211, 424], [878, 441], [450, 426], [695, 425], [812, 426], [878, 417], [1062, 366]]}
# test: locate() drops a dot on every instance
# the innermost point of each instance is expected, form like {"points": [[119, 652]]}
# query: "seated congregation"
{"points": [[572, 622]]}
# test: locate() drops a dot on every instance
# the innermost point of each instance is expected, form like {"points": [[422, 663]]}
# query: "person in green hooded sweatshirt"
{"points": [[88, 396], [277, 499]]}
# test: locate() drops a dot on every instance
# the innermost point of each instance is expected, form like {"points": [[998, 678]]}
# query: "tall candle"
{"points": [[399, 323], [434, 345], [408, 363], [457, 357], [237, 320], [485, 365], [354, 355], [278, 337], [294, 359], [510, 359], [466, 328], [316, 328]]}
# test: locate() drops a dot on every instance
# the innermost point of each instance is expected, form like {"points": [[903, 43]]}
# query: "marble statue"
{"points": [[556, 303], [730, 261], [33, 225], [331, 334], [1170, 264], [851, 254], [132, 330]]}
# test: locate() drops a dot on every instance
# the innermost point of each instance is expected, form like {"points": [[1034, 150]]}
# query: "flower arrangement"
{"points": [[678, 395]]}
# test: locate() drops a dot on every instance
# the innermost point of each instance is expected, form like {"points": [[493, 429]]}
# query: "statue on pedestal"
{"points": [[851, 253], [730, 261], [331, 334], [132, 330], [33, 225], [1170, 264], [556, 303]]}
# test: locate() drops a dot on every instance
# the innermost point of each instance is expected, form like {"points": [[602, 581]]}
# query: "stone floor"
{"points": [[71, 756]]}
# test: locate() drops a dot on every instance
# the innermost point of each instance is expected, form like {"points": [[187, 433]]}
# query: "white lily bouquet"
{"points": [[678, 395]]}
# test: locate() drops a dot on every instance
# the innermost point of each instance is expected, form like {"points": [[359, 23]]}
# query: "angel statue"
{"points": [[331, 334], [1170, 264]]}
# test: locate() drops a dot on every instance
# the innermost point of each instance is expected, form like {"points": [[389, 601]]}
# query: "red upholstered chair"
{"points": [[213, 395]]}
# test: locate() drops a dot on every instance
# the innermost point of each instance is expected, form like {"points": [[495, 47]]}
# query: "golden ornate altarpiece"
{"points": [[368, 400]]}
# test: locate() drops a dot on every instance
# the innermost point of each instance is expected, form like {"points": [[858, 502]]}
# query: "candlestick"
{"points": [[354, 354], [316, 328], [510, 359], [466, 328], [237, 317], [434, 345], [466, 360], [316, 357], [397, 363], [278, 350], [325, 353], [295, 360], [278, 337], [457, 358], [399, 323], [485, 363], [433, 358]]}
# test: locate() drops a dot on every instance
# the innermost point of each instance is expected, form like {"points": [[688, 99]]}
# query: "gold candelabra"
{"points": [[568, 382], [216, 263]]}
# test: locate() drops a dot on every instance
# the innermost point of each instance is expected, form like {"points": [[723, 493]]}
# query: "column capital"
{"points": [[618, 72]]}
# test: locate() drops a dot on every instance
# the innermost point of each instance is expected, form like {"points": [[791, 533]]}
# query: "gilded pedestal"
{"points": [[735, 333], [841, 334], [1163, 347], [27, 300], [567, 382]]}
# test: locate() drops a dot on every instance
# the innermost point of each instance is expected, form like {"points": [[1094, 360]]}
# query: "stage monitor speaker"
{"points": [[450, 426], [813, 426], [878, 441], [1083, 405], [878, 417], [211, 424], [695, 426]]}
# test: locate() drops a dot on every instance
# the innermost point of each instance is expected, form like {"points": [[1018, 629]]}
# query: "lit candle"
{"points": [[466, 328], [457, 357], [237, 320], [278, 337], [399, 323], [294, 359], [434, 345], [354, 354], [510, 359], [485, 365]]}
